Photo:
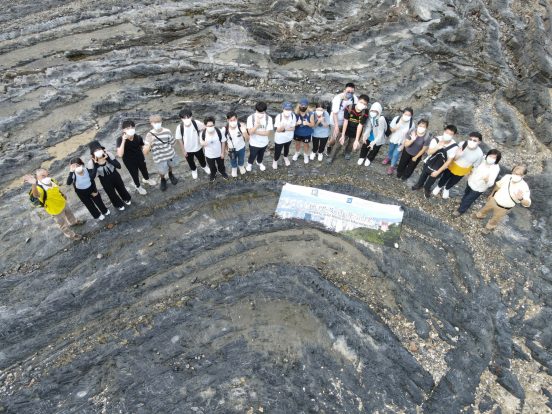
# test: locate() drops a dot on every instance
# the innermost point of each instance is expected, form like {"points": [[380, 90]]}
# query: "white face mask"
{"points": [[156, 125], [233, 124], [287, 113], [98, 153], [361, 106], [130, 132], [210, 129], [373, 114], [516, 178], [490, 161], [187, 122], [421, 130], [406, 118], [319, 113], [46, 181], [79, 169], [447, 137], [472, 144]]}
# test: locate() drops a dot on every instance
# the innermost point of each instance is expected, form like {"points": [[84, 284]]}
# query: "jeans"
{"points": [[256, 153], [278, 150], [318, 144], [393, 154], [468, 199], [200, 158], [238, 158], [449, 180], [133, 166]]}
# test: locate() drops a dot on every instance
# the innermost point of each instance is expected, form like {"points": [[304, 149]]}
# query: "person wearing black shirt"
{"points": [[129, 148], [354, 119]]}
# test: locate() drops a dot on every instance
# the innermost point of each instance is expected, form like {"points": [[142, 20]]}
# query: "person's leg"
{"points": [[213, 167], [120, 187], [373, 152], [394, 159], [422, 179], [221, 167], [391, 151], [453, 180], [410, 167], [486, 209], [468, 199], [364, 151], [315, 144], [200, 155], [64, 220], [297, 141], [322, 145], [233, 159], [132, 167], [108, 186], [306, 150], [241, 157], [498, 214], [143, 169], [278, 151], [429, 182], [349, 141], [97, 198], [403, 162], [260, 155], [445, 177], [86, 197], [190, 160], [252, 155], [287, 146]]}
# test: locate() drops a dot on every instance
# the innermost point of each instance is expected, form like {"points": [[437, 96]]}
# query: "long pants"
{"points": [[278, 150], [406, 166], [65, 219], [133, 166], [448, 179], [238, 158], [468, 199], [93, 203], [319, 144], [366, 152], [498, 213], [200, 158], [256, 153], [216, 164], [393, 154], [115, 189], [426, 180]]}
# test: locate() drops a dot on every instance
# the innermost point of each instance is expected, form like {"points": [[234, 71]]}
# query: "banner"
{"points": [[355, 217]]}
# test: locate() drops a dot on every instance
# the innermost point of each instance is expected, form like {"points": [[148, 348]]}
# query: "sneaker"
{"points": [[141, 190], [101, 217], [295, 156], [287, 161], [194, 174], [224, 176], [127, 202], [306, 158], [312, 156], [386, 161], [390, 170], [212, 179], [360, 161], [367, 162], [149, 181], [320, 156], [261, 166], [275, 165], [76, 237], [436, 190], [242, 170], [207, 170], [173, 179], [107, 213], [427, 193], [446, 194], [414, 187], [347, 157], [163, 184], [248, 168], [456, 213], [234, 172], [121, 208]]}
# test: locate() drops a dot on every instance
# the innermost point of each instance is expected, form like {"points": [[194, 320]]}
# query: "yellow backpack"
{"points": [[51, 199]]}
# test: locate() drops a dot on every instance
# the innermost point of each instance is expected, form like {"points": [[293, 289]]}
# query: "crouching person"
{"points": [[45, 192]]}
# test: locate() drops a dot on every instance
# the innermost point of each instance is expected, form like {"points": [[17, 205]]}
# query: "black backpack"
{"points": [[182, 127], [35, 201], [439, 158], [218, 133]]}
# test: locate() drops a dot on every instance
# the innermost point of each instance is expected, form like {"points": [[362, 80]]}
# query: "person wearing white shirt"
{"points": [[509, 191], [441, 153], [399, 127], [187, 134], [285, 130], [481, 178], [213, 142], [259, 126], [235, 134], [468, 155], [342, 100]]}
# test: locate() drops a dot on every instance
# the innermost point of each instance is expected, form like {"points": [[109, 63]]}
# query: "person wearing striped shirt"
{"points": [[160, 141]]}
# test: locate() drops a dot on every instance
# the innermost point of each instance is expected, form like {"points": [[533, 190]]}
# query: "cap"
{"points": [[303, 102], [287, 106]]}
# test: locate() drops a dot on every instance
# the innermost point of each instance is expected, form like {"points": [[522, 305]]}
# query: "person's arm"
{"points": [[420, 153], [70, 178], [113, 161], [382, 127], [147, 144], [525, 197], [396, 123], [279, 124], [222, 149], [410, 140], [433, 148], [202, 140], [34, 186], [310, 123], [359, 132], [325, 122], [121, 147], [267, 130]]}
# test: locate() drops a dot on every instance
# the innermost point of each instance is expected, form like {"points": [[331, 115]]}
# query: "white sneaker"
{"points": [[287, 161], [446, 194], [207, 170], [127, 202], [306, 158], [194, 174], [234, 172], [150, 181], [295, 156], [121, 208], [367, 162], [261, 166], [107, 213], [320, 156], [248, 168], [275, 165], [360, 161], [141, 190], [101, 217], [436, 190], [312, 156], [242, 170]]}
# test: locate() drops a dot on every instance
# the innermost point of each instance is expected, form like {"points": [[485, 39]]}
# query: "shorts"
{"points": [[305, 140], [163, 166]]}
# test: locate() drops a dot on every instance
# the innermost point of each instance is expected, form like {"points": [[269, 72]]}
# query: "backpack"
{"points": [[439, 158], [181, 125], [229, 138], [35, 201], [218, 133]]}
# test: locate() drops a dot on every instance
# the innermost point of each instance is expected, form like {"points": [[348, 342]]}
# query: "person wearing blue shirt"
{"points": [[303, 129], [321, 131]]}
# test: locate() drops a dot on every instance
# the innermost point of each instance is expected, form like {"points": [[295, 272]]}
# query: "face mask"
{"points": [[210, 129], [349, 95], [472, 144], [187, 122], [46, 181], [447, 137], [156, 125], [79, 169], [407, 118], [319, 113], [421, 130], [302, 108], [490, 161], [287, 113], [373, 114], [233, 124], [361, 107], [516, 178], [131, 132], [98, 153]]}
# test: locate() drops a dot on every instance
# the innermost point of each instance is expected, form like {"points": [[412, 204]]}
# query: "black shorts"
{"points": [[305, 140]]}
